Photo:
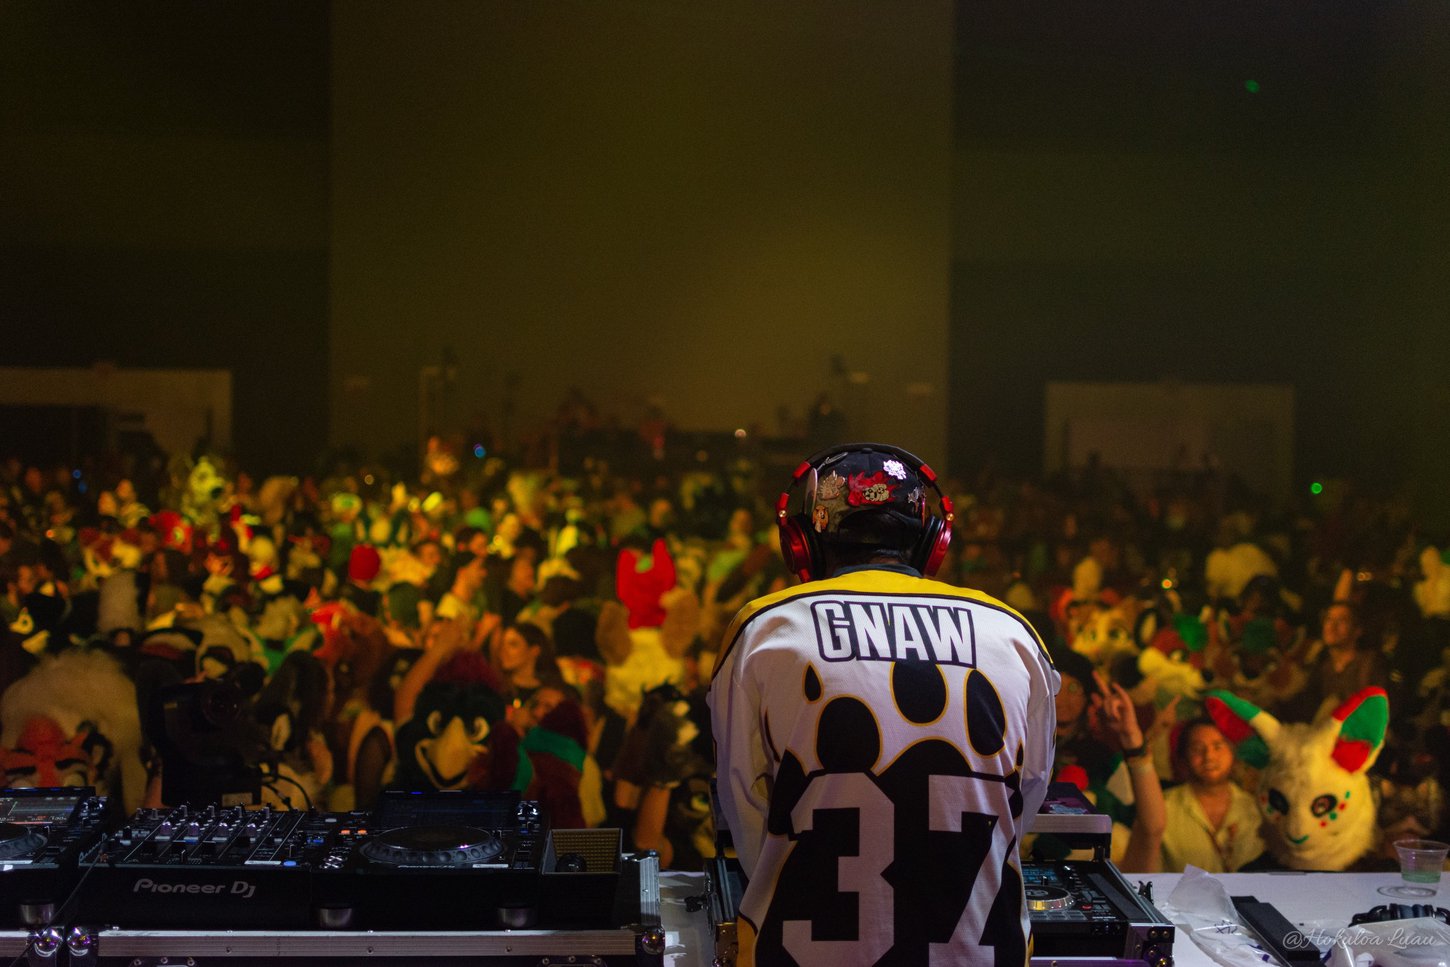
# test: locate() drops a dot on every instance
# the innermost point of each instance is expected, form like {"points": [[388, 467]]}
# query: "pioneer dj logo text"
{"points": [[240, 889], [898, 631]]}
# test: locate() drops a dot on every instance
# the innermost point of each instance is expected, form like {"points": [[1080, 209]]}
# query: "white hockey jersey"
{"points": [[882, 741]]}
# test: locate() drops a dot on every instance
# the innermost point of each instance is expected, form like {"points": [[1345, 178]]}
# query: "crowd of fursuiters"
{"points": [[1245, 685]]}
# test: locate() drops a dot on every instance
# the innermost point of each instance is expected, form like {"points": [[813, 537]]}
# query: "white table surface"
{"points": [[688, 940], [1316, 899], [1303, 899]]}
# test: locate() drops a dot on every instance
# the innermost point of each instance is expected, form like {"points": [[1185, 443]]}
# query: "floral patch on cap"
{"points": [[869, 490]]}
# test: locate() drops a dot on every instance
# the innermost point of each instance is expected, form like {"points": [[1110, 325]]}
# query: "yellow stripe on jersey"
{"points": [[868, 581]]}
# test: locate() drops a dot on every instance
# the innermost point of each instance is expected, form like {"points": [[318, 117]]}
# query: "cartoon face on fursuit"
{"points": [[1313, 790], [1107, 633]]}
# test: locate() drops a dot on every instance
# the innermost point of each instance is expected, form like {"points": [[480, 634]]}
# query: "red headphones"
{"points": [[800, 545]]}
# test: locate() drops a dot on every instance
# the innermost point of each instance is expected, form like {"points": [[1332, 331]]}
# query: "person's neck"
{"points": [[890, 563], [1211, 790]]}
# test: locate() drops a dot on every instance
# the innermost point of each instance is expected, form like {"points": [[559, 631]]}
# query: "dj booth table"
{"points": [[1303, 898], [1324, 900]]}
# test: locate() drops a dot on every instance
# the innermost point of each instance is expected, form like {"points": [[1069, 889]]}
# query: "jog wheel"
{"points": [[17, 841], [1040, 899], [438, 846]]}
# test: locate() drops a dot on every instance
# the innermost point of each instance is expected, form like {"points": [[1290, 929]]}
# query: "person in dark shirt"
{"points": [[1341, 664]]}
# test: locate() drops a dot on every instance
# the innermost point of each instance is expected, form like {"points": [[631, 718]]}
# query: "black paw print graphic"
{"points": [[890, 859]]}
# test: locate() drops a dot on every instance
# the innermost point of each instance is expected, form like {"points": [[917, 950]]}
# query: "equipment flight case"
{"points": [[470, 878], [638, 940]]}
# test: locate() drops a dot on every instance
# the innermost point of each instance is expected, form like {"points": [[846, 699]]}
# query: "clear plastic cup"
{"points": [[1422, 861]]}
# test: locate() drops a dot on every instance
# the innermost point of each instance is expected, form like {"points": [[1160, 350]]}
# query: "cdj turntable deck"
{"points": [[460, 862], [1086, 909], [44, 836]]}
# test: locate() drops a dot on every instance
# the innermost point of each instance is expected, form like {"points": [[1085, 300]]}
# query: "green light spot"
{"points": [[1251, 86], [1316, 488]]}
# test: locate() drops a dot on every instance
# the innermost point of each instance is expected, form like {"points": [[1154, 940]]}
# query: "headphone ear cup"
{"points": [[798, 548], [933, 546]]}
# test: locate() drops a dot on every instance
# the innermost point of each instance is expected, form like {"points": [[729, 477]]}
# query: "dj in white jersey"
{"points": [[882, 738]]}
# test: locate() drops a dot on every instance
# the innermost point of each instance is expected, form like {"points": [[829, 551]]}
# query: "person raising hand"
{"points": [[1143, 853]]}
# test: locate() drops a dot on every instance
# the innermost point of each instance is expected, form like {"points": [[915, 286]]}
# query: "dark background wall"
{"points": [[696, 206], [1127, 208], [164, 174], [324, 196]]}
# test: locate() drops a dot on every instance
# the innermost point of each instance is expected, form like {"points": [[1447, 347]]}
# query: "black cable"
{"points": [[277, 775], [281, 796]]}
